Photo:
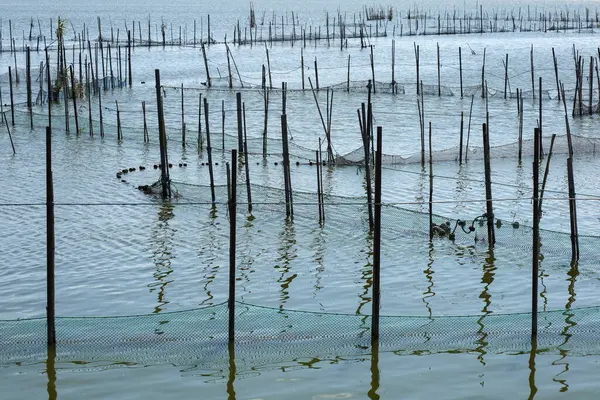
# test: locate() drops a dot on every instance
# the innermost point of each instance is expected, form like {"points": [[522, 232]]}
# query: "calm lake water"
{"points": [[120, 252]]}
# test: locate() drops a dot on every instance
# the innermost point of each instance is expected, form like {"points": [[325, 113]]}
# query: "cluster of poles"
{"points": [[288, 28]]}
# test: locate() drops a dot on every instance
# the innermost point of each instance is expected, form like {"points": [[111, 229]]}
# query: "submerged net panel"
{"points": [[271, 335]]}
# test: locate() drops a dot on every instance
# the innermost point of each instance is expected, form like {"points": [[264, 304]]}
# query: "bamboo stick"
{"points": [[164, 160], [536, 237], [50, 244], [74, 95], [376, 302], [488, 187], [209, 153], [232, 244], [546, 174]]}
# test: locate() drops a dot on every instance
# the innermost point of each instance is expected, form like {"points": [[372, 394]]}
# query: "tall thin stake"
{"points": [[376, 302], [536, 236], [50, 243], [232, 239]]}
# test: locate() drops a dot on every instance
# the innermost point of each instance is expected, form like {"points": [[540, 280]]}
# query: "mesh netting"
{"points": [[271, 335], [303, 153]]}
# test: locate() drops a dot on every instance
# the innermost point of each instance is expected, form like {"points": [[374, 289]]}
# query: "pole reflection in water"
{"points": [[366, 274], [212, 247], [569, 323], [246, 258], [51, 372], [232, 372], [532, 354], [429, 276], [487, 278], [318, 245], [287, 253], [162, 253], [373, 395]]}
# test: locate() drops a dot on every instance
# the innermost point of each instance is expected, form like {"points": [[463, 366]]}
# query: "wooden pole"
{"points": [[319, 183], [417, 65], [229, 76], [238, 97], [74, 95], [289, 209], [28, 82], [438, 71], [373, 71], [208, 82], [119, 131], [572, 210], [536, 237], [222, 124], [393, 66], [556, 74], [376, 302], [6, 124], [302, 65], [12, 105], [209, 153], [591, 83], [50, 243], [182, 119], [469, 129], [505, 75], [129, 54], [164, 161], [488, 187], [366, 140], [483, 76], [316, 74], [269, 67], [266, 120], [89, 97], [100, 112], [546, 173], [232, 241], [348, 76], [146, 138]]}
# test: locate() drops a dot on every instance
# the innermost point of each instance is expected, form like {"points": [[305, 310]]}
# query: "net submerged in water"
{"points": [[272, 335]]}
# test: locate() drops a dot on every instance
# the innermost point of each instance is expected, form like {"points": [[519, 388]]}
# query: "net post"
{"points": [[377, 244], [488, 186], [50, 242], [536, 238], [232, 240]]}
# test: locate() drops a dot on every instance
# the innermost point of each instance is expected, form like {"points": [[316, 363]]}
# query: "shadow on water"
{"points": [[569, 323], [162, 238], [287, 253], [51, 372], [487, 279]]}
